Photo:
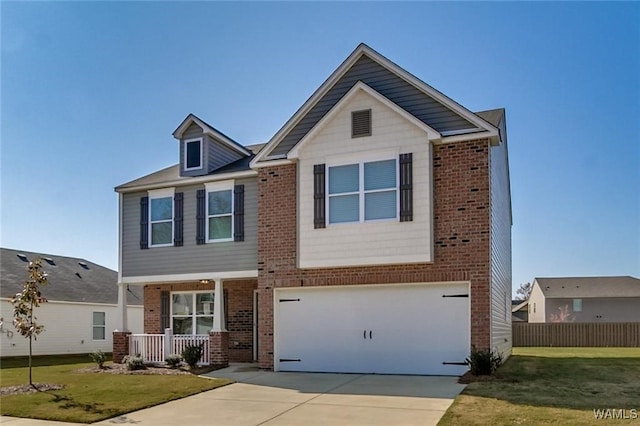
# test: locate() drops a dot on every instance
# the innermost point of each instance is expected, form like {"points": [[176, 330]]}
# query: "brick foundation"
{"points": [[120, 345], [219, 349], [461, 220]]}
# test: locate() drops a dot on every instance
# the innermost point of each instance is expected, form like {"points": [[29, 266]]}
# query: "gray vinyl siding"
{"points": [[500, 250], [217, 154], [191, 258], [389, 85], [614, 309]]}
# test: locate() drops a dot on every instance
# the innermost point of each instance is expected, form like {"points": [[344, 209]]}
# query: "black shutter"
{"points": [[178, 207], [201, 217], [238, 213], [406, 187], [144, 223], [319, 220], [164, 310]]}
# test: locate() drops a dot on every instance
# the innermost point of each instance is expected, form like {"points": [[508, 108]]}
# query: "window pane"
{"points": [[344, 179], [344, 208], [380, 175], [98, 333], [98, 319], [182, 304], [380, 205], [219, 202], [161, 233], [219, 227], [193, 154], [204, 325], [183, 325], [577, 305], [161, 208], [204, 303]]}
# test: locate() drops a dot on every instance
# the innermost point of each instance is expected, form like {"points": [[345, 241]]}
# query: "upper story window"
{"points": [[193, 150], [219, 211], [161, 217], [363, 191]]}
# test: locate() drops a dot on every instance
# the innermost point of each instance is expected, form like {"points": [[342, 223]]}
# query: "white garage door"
{"points": [[393, 329]]}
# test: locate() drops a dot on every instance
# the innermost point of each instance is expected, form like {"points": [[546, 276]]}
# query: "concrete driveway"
{"points": [[267, 398]]}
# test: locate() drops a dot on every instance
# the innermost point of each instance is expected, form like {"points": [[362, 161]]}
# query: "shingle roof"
{"points": [[493, 116], [589, 287], [68, 279], [172, 173]]}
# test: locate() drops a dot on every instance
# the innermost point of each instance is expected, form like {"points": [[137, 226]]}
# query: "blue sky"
{"points": [[91, 93]]}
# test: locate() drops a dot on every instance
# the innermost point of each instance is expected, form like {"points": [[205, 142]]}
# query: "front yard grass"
{"points": [[90, 397], [559, 386]]}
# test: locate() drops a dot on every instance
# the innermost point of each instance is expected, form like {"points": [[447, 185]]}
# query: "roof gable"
{"points": [[408, 92], [361, 87], [589, 287], [209, 130]]}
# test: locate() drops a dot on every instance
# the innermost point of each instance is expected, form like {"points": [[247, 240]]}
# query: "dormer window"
{"points": [[193, 154]]}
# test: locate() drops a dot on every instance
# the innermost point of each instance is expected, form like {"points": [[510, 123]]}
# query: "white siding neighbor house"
{"points": [[81, 312]]}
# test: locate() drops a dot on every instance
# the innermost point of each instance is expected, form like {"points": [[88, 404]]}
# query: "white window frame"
{"points": [[156, 194], [361, 191], [227, 185], [96, 326], [193, 314], [187, 142]]}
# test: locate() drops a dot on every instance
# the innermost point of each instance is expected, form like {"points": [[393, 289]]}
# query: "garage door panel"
{"points": [[399, 329]]}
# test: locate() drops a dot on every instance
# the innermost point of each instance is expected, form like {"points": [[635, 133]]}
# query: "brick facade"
{"points": [[239, 313], [219, 349], [461, 240], [120, 345]]}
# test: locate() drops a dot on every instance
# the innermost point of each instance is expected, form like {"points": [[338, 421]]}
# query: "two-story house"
{"points": [[372, 233]]}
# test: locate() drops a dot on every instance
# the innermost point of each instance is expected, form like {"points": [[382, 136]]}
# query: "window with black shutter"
{"points": [[238, 213], [201, 216], [144, 223], [406, 187], [319, 220], [178, 207]]}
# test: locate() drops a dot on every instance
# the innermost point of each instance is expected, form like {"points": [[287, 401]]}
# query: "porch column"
{"points": [[218, 336], [218, 308], [121, 321]]}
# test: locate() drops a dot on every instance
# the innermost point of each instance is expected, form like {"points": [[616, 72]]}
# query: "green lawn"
{"points": [[559, 386], [90, 397]]}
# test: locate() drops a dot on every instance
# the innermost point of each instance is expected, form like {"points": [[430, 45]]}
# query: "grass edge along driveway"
{"points": [[559, 386], [91, 397]]}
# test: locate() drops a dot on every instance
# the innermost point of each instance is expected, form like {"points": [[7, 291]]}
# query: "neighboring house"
{"points": [[372, 233], [585, 299], [81, 311], [520, 311]]}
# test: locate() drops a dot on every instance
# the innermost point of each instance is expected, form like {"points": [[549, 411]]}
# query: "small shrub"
{"points": [[483, 362], [173, 360], [191, 354], [99, 358], [134, 362]]}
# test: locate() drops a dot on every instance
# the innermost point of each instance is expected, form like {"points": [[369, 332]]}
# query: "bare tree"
{"points": [[524, 291], [24, 304]]}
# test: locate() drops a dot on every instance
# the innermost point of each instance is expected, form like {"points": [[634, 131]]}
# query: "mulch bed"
{"points": [[37, 387]]}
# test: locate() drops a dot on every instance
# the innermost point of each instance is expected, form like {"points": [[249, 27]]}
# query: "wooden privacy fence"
{"points": [[576, 334]]}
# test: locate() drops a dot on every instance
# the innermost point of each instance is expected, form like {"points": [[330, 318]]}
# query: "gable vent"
{"points": [[361, 123]]}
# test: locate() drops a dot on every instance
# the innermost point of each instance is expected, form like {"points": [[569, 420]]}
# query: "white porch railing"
{"points": [[154, 348]]}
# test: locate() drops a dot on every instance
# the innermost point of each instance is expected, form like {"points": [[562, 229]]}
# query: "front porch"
{"points": [[219, 315]]}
